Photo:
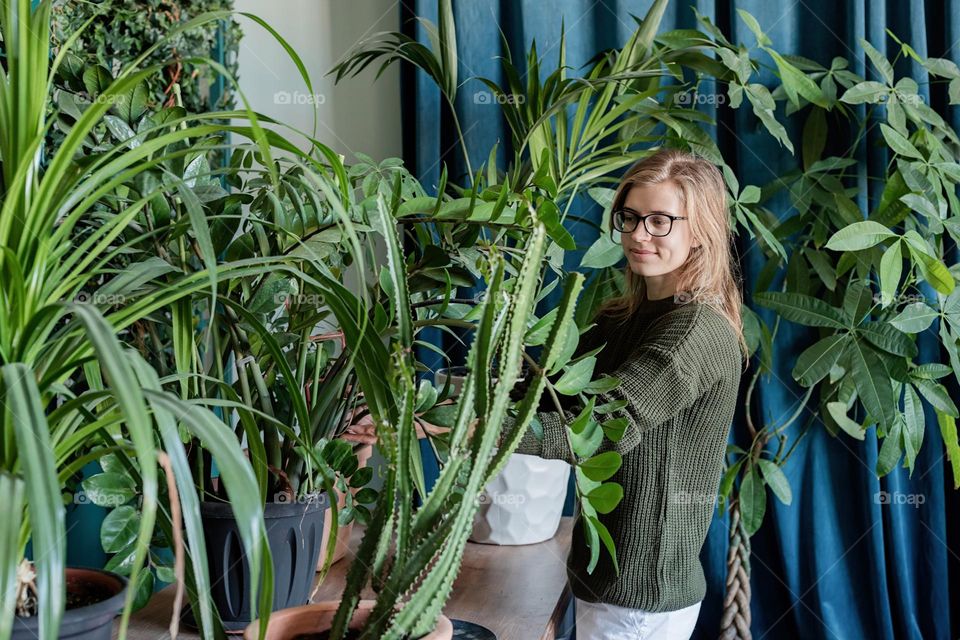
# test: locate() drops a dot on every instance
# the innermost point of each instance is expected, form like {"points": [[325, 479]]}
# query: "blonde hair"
{"points": [[710, 274]]}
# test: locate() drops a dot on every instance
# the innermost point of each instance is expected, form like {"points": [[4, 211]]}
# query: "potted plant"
{"points": [[72, 392], [416, 552]]}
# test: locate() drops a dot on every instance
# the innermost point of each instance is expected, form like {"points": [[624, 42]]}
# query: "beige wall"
{"points": [[356, 115]]}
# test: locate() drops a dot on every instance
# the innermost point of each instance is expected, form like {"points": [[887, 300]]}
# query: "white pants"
{"points": [[601, 621]]}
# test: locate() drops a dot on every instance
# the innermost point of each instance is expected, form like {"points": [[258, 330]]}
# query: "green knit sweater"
{"points": [[679, 365]]}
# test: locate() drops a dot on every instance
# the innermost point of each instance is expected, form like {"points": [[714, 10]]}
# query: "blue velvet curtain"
{"points": [[836, 563]]}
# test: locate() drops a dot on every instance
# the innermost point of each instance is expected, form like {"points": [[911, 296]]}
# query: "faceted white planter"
{"points": [[524, 502]]}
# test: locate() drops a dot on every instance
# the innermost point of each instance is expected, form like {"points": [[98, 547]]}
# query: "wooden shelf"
{"points": [[519, 592]]}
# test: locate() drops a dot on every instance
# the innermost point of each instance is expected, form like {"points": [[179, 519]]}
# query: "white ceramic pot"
{"points": [[524, 502]]}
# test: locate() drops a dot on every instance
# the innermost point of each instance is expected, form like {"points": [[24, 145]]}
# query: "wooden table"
{"points": [[520, 592]]}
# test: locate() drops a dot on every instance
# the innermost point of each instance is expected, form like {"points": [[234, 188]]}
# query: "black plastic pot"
{"points": [[294, 532], [92, 622]]}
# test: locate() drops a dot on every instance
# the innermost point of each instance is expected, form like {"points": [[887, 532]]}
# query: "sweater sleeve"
{"points": [[664, 376]]}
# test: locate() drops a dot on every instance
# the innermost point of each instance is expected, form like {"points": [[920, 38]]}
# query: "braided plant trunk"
{"points": [[735, 624]]}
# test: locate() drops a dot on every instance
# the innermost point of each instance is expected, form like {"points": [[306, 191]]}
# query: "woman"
{"points": [[675, 342]]}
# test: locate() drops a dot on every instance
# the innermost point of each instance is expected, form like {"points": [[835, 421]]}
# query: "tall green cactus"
{"points": [[413, 556]]}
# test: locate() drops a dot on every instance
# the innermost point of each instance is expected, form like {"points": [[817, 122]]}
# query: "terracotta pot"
{"points": [[316, 618], [92, 622], [343, 534]]}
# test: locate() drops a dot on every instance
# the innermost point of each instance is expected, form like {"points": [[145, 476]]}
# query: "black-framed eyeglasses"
{"points": [[656, 224]]}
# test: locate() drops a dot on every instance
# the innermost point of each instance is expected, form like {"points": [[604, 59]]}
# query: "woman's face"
{"points": [[650, 255]]}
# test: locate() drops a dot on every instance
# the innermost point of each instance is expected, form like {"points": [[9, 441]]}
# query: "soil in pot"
{"points": [[94, 598]]}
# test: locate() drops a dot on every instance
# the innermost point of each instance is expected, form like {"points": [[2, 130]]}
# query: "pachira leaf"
{"points": [[948, 430], [891, 268], [859, 235], [802, 309], [817, 360], [777, 481], [838, 411], [891, 450], [753, 500], [872, 381]]}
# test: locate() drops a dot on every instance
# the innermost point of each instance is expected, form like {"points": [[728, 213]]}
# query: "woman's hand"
{"points": [[365, 431]]}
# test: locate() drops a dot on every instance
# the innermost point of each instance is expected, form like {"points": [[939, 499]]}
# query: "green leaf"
{"points": [[817, 360], [864, 92], [576, 377], [119, 529], [891, 449], [948, 430], [601, 466], [914, 423], [872, 382], [889, 338], [606, 497], [615, 428], [937, 395], [602, 253], [96, 80], [44, 505], [899, 143], [754, 26], [753, 501], [802, 309], [773, 475], [859, 235], [914, 318], [879, 61], [891, 267], [109, 489], [838, 411], [11, 488], [795, 82], [607, 540]]}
